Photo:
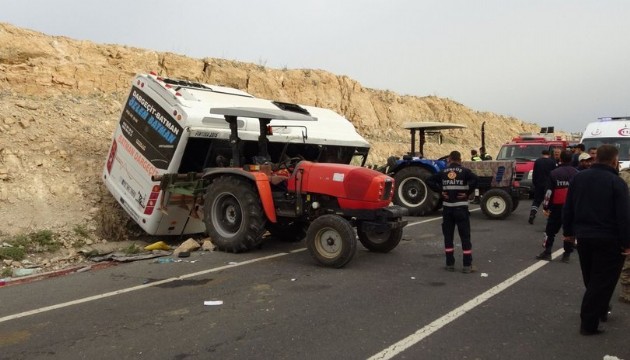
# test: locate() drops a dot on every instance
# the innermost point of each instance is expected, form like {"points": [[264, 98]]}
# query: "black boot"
{"points": [[532, 215]]}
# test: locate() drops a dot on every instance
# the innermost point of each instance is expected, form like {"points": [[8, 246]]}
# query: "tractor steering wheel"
{"points": [[444, 158], [288, 164]]}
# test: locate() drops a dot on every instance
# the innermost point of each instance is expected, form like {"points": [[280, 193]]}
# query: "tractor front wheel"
{"points": [[233, 214], [380, 241], [331, 240]]}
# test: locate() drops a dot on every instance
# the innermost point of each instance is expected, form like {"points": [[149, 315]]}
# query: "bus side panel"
{"points": [[130, 185]]}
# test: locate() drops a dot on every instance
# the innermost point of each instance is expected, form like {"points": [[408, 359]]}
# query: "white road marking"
{"points": [[436, 325], [139, 287]]}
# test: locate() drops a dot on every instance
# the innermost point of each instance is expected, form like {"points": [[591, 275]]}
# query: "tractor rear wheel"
{"points": [[380, 241], [233, 214], [413, 193], [331, 240], [496, 204]]}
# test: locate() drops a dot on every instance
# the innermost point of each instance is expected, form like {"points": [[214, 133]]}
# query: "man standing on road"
{"points": [[455, 183], [585, 161], [556, 155], [624, 279], [540, 176], [577, 151], [555, 195], [597, 214]]}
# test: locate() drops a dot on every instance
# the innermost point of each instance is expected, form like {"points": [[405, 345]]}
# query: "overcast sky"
{"points": [[551, 62]]}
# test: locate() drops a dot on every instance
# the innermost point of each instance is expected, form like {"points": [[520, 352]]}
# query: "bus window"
{"points": [[150, 129]]}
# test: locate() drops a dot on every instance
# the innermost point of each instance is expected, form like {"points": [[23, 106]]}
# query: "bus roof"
{"points": [[260, 113], [204, 105]]}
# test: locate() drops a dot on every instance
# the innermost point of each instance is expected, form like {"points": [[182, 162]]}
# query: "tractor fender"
{"points": [[263, 185], [426, 164]]}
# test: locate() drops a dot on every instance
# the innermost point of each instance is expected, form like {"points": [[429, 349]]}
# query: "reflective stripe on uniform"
{"points": [[455, 187], [455, 204], [449, 250]]}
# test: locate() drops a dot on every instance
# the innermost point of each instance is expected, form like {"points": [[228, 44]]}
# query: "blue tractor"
{"points": [[413, 169], [498, 191]]}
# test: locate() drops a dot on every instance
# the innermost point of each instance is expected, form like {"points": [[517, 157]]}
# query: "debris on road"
{"points": [[124, 257], [213, 302], [159, 245], [24, 271], [165, 260], [189, 246], [207, 245]]}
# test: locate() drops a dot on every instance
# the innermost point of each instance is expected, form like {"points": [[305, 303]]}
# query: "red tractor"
{"points": [[324, 202]]}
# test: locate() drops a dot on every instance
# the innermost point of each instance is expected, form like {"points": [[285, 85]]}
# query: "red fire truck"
{"points": [[525, 149]]}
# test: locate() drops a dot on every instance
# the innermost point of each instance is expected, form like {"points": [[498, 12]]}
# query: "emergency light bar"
{"points": [[613, 118]]}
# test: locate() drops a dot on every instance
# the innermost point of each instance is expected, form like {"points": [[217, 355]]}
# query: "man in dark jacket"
{"points": [[597, 214], [540, 177], [555, 195], [455, 183]]}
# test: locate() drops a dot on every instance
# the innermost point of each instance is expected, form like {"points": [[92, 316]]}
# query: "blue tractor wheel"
{"points": [[413, 193]]}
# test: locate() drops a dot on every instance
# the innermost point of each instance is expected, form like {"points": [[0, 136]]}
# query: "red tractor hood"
{"points": [[355, 187]]}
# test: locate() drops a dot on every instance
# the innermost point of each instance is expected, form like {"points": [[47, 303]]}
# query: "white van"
{"points": [[610, 130], [166, 126]]}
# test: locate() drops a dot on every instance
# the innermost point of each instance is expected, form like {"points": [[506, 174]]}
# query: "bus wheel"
{"points": [[233, 214], [331, 240]]}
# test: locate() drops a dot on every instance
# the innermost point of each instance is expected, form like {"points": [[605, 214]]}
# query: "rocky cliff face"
{"points": [[60, 100]]}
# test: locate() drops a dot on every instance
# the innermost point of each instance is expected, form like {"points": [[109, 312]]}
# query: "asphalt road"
{"points": [[278, 304]]}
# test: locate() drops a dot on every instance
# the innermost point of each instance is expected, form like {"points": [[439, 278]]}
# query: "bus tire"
{"points": [[233, 214], [413, 193]]}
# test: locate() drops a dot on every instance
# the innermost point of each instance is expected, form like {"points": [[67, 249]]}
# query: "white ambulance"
{"points": [[167, 126], [610, 130]]}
